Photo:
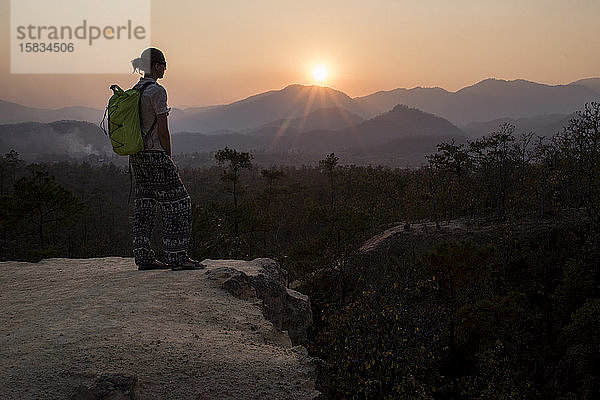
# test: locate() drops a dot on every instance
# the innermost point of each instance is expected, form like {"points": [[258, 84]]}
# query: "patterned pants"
{"points": [[157, 181]]}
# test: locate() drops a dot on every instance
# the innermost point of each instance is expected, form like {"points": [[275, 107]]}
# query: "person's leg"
{"points": [[144, 209], [143, 222], [176, 212]]}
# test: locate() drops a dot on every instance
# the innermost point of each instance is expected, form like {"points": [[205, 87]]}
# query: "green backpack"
{"points": [[123, 116]]}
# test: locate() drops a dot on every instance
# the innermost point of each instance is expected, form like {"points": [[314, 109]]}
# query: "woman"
{"points": [[156, 177]]}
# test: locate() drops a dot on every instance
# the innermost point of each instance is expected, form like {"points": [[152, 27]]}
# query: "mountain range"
{"points": [[404, 131], [488, 100], [12, 113], [542, 125], [492, 99], [316, 119]]}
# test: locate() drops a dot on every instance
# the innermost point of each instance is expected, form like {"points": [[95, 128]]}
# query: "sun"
{"points": [[320, 73]]}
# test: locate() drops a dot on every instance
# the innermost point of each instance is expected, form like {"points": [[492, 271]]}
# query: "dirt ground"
{"points": [[64, 321]]}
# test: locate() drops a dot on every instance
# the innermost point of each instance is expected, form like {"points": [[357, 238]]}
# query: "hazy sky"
{"points": [[222, 51]]}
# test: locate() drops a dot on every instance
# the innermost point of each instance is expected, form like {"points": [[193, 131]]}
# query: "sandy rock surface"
{"points": [[64, 322]]}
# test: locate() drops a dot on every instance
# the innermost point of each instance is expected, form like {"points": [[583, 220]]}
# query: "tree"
{"points": [[272, 175], [546, 155], [8, 167], [579, 146], [328, 166], [461, 272], [236, 161], [447, 168], [40, 200], [450, 157], [583, 337], [492, 156], [265, 215]]}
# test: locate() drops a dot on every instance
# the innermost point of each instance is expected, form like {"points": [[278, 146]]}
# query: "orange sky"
{"points": [[219, 52]]}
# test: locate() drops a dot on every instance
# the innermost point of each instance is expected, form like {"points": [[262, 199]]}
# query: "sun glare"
{"points": [[320, 73]]}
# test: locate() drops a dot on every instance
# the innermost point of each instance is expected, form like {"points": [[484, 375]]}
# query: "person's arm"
{"points": [[163, 132], [159, 104]]}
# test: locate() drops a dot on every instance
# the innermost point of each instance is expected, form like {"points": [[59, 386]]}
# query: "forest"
{"points": [[513, 314]]}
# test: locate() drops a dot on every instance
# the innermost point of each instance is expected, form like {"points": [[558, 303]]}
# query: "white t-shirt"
{"points": [[152, 104]]}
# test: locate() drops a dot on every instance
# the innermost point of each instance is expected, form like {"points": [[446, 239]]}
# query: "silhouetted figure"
{"points": [[156, 177]]}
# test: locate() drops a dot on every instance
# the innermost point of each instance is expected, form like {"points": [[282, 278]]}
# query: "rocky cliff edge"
{"points": [[100, 329]]}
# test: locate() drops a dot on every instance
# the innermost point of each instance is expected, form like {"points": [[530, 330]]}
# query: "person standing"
{"points": [[157, 179]]}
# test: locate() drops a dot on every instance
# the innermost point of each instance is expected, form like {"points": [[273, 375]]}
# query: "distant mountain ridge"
{"points": [[484, 101], [322, 108], [11, 113], [592, 83], [294, 101], [541, 125], [489, 99]]}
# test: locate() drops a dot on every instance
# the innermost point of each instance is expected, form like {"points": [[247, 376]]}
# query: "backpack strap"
{"points": [[141, 90]]}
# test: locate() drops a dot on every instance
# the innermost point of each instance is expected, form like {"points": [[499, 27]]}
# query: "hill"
{"points": [[11, 113], [71, 325], [423, 98], [401, 121], [294, 101]]}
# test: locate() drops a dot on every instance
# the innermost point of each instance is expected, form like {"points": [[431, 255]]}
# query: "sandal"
{"points": [[156, 264], [188, 264]]}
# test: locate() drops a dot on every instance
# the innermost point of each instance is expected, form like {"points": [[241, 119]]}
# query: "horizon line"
{"points": [[187, 107]]}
